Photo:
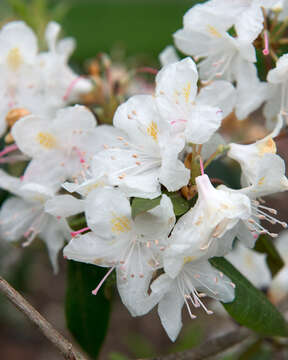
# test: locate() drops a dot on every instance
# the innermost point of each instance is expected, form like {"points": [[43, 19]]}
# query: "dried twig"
{"points": [[63, 345]]}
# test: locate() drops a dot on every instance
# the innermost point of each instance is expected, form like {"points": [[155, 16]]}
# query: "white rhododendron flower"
{"points": [[23, 216], [198, 233], [193, 282], [147, 155], [67, 142], [39, 83], [133, 246], [176, 90]]}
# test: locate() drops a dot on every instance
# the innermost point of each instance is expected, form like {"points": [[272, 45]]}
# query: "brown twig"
{"points": [[210, 348], [63, 345]]}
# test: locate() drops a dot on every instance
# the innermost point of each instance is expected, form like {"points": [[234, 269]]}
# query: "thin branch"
{"points": [[211, 347], [63, 345]]}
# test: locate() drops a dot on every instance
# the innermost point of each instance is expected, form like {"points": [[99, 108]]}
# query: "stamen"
{"points": [[95, 291], [201, 166], [74, 233], [70, 87], [9, 149]]}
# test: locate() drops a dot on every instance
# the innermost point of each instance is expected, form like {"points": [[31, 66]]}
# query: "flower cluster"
{"points": [[159, 145]]}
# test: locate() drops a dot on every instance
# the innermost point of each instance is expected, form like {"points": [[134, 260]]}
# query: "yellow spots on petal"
{"points": [[261, 180], [120, 224], [39, 198], [188, 259], [199, 221], [14, 59], [186, 92], [46, 139], [93, 186], [152, 130], [213, 31], [267, 146], [248, 260]]}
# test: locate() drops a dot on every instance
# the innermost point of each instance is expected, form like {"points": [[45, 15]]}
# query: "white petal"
{"points": [[64, 205], [168, 56], [219, 94], [108, 213], [51, 34]]}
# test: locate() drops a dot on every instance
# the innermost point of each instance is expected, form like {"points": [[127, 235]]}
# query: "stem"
{"points": [[63, 345]]}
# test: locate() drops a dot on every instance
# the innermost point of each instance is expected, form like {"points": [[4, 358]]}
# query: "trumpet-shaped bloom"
{"points": [[198, 234], [147, 154], [133, 246], [67, 142], [249, 156], [29, 80], [24, 216], [191, 284], [198, 117]]}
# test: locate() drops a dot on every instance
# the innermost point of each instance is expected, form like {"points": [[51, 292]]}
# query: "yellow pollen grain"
{"points": [[186, 91], [46, 139], [120, 224], [214, 31], [188, 259], [14, 58], [268, 146], [261, 181], [152, 130]]}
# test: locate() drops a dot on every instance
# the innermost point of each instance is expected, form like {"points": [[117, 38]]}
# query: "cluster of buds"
{"points": [[159, 144]]}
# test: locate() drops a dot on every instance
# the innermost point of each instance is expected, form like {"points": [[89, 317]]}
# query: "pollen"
{"points": [[261, 180], [152, 130], [214, 31], [120, 224], [46, 139], [186, 92], [14, 59]]}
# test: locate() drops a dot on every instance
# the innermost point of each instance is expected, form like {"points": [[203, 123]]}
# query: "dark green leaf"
{"points": [[140, 205], [251, 308], [274, 261], [87, 315], [180, 204]]}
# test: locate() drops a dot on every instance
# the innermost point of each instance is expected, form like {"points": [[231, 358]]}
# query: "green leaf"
{"points": [[140, 205], [180, 204], [274, 261], [250, 307], [87, 315]]}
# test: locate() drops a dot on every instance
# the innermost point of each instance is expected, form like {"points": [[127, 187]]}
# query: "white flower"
{"points": [[24, 216], [147, 154], [198, 117], [67, 142], [208, 38], [199, 233], [133, 246], [59, 81], [38, 83], [192, 283], [249, 156], [251, 264]]}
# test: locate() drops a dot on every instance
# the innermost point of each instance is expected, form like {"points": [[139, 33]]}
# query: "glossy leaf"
{"points": [[140, 205], [274, 261], [250, 307], [87, 315]]}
